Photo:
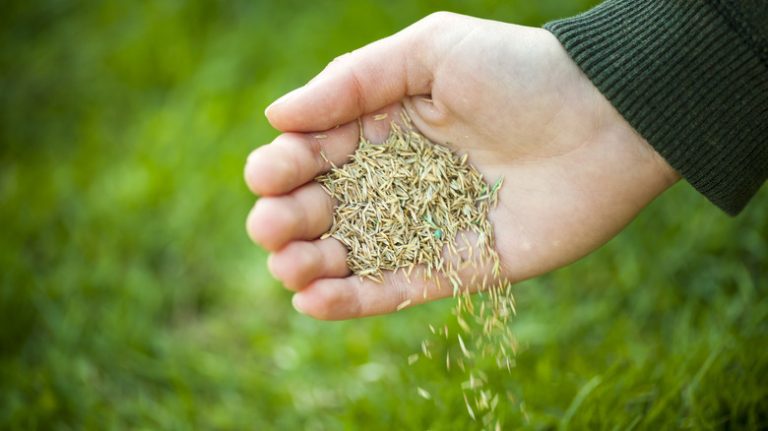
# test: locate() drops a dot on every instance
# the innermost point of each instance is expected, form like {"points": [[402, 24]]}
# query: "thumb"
{"points": [[362, 81]]}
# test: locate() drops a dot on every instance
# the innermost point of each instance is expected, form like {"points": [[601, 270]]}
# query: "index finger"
{"points": [[362, 81], [293, 159]]}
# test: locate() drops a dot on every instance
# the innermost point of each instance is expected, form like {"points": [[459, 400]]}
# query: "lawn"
{"points": [[131, 298]]}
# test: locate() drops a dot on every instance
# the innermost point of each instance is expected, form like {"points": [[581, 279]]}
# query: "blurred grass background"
{"points": [[132, 299]]}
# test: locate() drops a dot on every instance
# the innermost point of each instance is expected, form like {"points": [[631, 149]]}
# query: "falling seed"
{"points": [[423, 393], [402, 204], [463, 347], [469, 408], [425, 349], [463, 324]]}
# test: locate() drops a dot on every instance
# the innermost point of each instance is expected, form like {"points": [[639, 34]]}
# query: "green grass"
{"points": [[130, 297]]}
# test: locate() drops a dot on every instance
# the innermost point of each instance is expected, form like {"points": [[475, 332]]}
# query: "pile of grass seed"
{"points": [[408, 203], [402, 202]]}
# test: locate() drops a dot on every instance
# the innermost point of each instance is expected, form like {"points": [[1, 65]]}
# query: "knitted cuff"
{"points": [[687, 82]]}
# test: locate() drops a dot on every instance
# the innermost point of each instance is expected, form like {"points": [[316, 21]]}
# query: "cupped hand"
{"points": [[575, 173]]}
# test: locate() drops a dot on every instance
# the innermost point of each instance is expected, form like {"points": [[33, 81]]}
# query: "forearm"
{"points": [[688, 81]]}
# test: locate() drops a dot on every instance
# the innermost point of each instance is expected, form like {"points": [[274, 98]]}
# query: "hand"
{"points": [[575, 173]]}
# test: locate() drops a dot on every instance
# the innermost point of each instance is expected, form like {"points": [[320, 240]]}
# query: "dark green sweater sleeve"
{"points": [[691, 76]]}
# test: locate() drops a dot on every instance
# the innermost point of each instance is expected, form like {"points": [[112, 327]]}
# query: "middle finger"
{"points": [[304, 214]]}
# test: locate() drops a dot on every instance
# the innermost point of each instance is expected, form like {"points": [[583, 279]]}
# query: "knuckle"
{"points": [[337, 264], [293, 157], [430, 35], [293, 216], [313, 149], [285, 267], [334, 303], [323, 310], [312, 208], [301, 264], [437, 19], [302, 158], [357, 80], [292, 219], [401, 288], [312, 259], [340, 59]]}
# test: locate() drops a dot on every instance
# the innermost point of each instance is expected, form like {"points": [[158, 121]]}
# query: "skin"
{"points": [[575, 171]]}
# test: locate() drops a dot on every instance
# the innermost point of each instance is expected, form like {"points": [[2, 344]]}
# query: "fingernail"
{"points": [[298, 303], [282, 99]]}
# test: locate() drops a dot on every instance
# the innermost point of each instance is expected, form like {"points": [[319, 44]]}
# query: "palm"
{"points": [[550, 133], [575, 172]]}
